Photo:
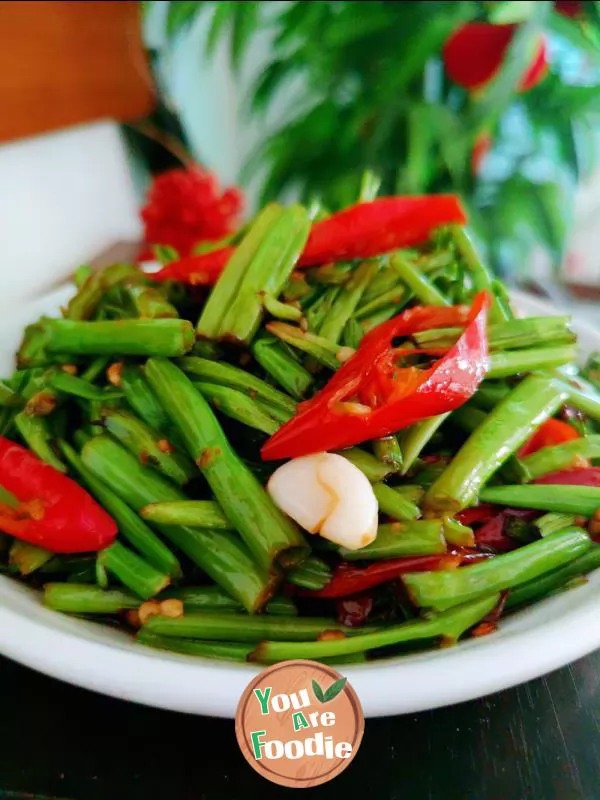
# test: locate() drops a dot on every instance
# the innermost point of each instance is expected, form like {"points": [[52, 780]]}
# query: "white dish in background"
{"points": [[527, 645]]}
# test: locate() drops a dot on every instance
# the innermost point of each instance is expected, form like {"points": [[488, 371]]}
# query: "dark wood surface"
{"points": [[539, 741]]}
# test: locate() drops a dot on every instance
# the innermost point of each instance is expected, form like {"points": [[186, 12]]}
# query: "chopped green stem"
{"points": [[280, 310], [151, 447], [279, 414], [399, 539], [580, 500], [443, 589], [133, 572], [78, 387], [347, 301], [231, 627], [586, 400], [417, 436], [81, 598], [8, 397], [457, 534], [552, 581], [396, 297], [199, 598], [502, 432], [480, 274], [95, 368], [237, 405], [389, 451], [195, 513], [227, 287], [318, 311], [331, 274], [131, 527], [510, 335], [553, 522], [230, 651], [224, 374], [353, 333], [266, 273], [221, 555], [94, 288], [313, 573], [394, 504], [273, 357], [372, 467], [418, 283], [130, 337], [501, 365], [375, 319], [142, 399], [37, 435], [322, 350], [448, 626], [26, 557], [269, 534], [558, 457], [149, 302]]}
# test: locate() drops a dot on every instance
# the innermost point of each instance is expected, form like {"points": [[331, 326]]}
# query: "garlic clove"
{"points": [[325, 493], [297, 491]]}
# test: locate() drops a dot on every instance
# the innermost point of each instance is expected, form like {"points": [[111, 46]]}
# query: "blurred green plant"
{"points": [[364, 86]]}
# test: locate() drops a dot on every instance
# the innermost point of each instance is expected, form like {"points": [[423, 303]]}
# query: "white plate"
{"points": [[531, 643]]}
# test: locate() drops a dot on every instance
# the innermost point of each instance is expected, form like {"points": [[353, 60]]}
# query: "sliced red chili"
{"points": [[371, 396], [348, 579], [491, 534], [383, 225], [481, 513], [54, 512], [201, 270], [585, 476], [550, 433]]}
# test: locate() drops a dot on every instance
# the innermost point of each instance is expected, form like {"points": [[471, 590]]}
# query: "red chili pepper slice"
{"points": [[370, 396], [361, 231], [54, 512], [348, 579], [474, 53], [586, 476], [481, 513], [371, 229], [491, 534], [550, 433], [201, 270]]}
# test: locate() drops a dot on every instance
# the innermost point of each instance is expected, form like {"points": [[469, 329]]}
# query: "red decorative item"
{"points": [[474, 53], [54, 512], [186, 207]]}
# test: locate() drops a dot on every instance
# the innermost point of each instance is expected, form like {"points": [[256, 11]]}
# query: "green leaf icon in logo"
{"points": [[331, 693], [318, 692]]}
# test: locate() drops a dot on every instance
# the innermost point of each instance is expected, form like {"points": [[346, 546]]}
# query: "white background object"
{"points": [[65, 198], [530, 643]]}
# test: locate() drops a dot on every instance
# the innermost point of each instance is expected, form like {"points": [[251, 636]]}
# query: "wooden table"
{"points": [[540, 741]]}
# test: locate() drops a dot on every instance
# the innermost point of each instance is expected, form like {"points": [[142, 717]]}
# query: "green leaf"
{"points": [[269, 81], [221, 18], [180, 15], [245, 21], [318, 692], [335, 688]]}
